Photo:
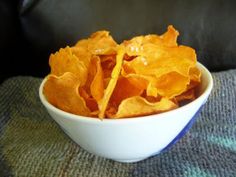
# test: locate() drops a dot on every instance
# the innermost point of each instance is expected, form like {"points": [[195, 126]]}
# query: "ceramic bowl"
{"points": [[131, 139]]}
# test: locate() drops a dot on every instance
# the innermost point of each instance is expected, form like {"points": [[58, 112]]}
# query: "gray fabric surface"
{"points": [[32, 144]]}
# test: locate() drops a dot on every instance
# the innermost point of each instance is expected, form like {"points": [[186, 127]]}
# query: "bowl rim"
{"points": [[71, 116]]}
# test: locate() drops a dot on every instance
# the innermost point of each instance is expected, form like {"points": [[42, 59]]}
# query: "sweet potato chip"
{"points": [[92, 70], [138, 46], [65, 61], [151, 88], [108, 62], [99, 43], [195, 74], [141, 76], [124, 89], [152, 66], [195, 78], [138, 81], [171, 84], [82, 54], [91, 103], [183, 52], [138, 106], [97, 85], [188, 95], [170, 37], [63, 92], [93, 89], [112, 83]]}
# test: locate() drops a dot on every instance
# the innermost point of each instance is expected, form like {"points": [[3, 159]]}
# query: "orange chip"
{"points": [[184, 52], [93, 89], [171, 84], [97, 85], [82, 54], [151, 88], [188, 95], [138, 81], [141, 76], [195, 74], [170, 37], [124, 89], [91, 103], [92, 70], [108, 62], [139, 106], [168, 85], [137, 46], [110, 112], [65, 61], [133, 47], [83, 43], [99, 43], [158, 67], [195, 78], [63, 92], [112, 83]]}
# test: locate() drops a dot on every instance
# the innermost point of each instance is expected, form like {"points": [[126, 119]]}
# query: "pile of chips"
{"points": [[100, 78]]}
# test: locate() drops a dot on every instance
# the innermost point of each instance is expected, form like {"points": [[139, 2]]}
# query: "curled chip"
{"points": [[145, 75], [63, 92], [124, 89], [99, 43], [112, 83], [138, 106], [65, 61], [97, 85]]}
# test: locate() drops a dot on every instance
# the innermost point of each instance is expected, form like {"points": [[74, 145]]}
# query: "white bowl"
{"points": [[131, 139]]}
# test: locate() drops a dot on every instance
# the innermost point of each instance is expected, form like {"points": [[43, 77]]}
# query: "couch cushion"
{"points": [[208, 26]]}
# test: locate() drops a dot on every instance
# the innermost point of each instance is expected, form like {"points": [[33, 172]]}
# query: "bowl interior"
{"points": [[203, 90]]}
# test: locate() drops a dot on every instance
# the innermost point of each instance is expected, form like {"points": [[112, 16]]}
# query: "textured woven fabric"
{"points": [[32, 144]]}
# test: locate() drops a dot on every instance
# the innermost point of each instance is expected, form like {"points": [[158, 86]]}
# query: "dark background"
{"points": [[18, 55], [32, 29]]}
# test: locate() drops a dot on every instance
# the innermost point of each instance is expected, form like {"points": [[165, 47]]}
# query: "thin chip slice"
{"points": [[139, 106], [188, 95], [124, 89], [65, 61], [82, 54], [151, 89], [143, 82], [99, 43], [139, 81], [170, 37], [91, 103], [97, 85], [133, 47], [63, 92], [93, 89], [112, 83], [183, 52], [195, 78], [158, 67], [195, 74], [171, 84], [108, 62], [136, 45], [110, 112], [92, 70]]}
